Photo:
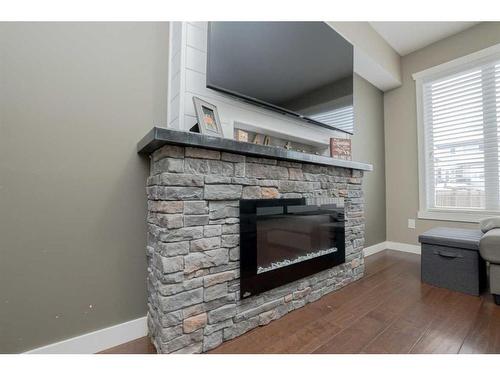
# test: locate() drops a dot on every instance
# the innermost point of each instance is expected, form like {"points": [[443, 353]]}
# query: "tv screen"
{"points": [[303, 69]]}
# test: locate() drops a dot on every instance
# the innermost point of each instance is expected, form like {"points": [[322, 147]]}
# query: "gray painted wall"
{"points": [[401, 130], [368, 145], [75, 98]]}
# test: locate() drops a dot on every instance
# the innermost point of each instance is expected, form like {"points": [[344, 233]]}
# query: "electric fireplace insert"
{"points": [[282, 240]]}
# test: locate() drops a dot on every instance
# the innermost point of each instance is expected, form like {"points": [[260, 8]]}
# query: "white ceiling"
{"points": [[406, 37]]}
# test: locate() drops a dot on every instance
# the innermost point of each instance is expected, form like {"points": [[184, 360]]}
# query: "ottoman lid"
{"points": [[452, 237]]}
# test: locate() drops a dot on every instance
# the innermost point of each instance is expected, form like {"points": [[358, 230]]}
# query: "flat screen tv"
{"points": [[301, 69]]}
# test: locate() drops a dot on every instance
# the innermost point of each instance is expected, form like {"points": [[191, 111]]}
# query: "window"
{"points": [[340, 118], [458, 106]]}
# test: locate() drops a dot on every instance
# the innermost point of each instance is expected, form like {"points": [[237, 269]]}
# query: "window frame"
{"points": [[454, 66]]}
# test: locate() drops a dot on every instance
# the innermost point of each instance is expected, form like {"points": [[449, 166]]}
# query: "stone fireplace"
{"points": [[194, 194]]}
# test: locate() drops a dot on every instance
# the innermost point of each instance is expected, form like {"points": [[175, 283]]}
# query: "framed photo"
{"points": [[208, 118], [241, 135]]}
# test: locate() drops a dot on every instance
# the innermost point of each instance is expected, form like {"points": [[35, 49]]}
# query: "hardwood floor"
{"points": [[139, 346], [388, 311]]}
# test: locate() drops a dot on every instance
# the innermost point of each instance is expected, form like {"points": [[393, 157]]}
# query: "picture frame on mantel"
{"points": [[340, 148], [208, 118]]}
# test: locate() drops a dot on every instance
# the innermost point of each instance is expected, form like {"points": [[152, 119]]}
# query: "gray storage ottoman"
{"points": [[450, 259]]}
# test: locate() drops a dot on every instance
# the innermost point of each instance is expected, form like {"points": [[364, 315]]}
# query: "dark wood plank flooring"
{"points": [[139, 346], [388, 311]]}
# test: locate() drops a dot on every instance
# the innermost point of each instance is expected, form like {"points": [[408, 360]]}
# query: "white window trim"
{"points": [[461, 63]]}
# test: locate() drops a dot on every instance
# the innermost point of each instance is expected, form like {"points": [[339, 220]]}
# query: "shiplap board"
{"points": [[197, 37], [196, 60]]}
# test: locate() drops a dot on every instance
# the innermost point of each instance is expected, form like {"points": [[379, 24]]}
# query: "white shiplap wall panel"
{"points": [[195, 83], [196, 60], [175, 108], [176, 33], [189, 121], [197, 37], [176, 63], [189, 106], [201, 24], [174, 89], [176, 83], [175, 124], [192, 82]]}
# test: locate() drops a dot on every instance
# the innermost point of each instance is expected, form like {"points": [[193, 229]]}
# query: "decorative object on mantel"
{"points": [[267, 141], [208, 118], [288, 146], [241, 135], [340, 148], [258, 139]]}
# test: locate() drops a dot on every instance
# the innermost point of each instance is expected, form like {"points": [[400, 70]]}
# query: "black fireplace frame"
{"points": [[252, 283]]}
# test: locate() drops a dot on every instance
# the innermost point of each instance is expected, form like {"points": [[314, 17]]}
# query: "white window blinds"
{"points": [[461, 134], [340, 118]]}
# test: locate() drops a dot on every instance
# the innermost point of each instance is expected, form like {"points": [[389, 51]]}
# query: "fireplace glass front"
{"points": [[286, 239]]}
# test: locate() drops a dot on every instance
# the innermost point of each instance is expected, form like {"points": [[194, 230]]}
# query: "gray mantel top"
{"points": [[158, 137]]}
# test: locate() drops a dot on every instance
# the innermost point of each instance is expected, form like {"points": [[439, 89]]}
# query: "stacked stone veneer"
{"points": [[193, 243]]}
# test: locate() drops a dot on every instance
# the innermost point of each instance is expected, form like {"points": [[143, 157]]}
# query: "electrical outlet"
{"points": [[411, 223]]}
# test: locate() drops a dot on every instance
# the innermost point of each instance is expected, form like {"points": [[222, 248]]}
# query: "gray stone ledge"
{"points": [[158, 137]]}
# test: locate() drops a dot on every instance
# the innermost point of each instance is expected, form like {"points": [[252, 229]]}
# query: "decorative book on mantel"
{"points": [[340, 148]]}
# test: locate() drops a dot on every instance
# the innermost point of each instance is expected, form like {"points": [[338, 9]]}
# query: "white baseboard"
{"points": [[109, 337], [374, 249], [399, 246], [97, 341], [405, 247]]}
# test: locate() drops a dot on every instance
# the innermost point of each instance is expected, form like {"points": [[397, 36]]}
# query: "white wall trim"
{"points": [[97, 341], [458, 216], [404, 247], [390, 245], [374, 59], [169, 71], [463, 62], [109, 337], [426, 203], [374, 249]]}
